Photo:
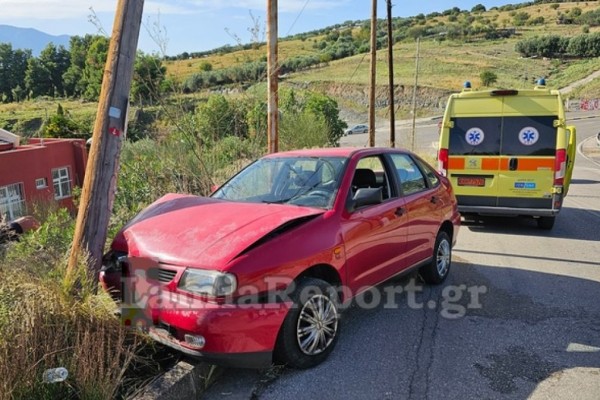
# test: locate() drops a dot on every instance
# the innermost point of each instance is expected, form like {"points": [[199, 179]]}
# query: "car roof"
{"points": [[336, 152]]}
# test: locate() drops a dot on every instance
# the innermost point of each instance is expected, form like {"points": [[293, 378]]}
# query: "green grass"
{"points": [[26, 118]]}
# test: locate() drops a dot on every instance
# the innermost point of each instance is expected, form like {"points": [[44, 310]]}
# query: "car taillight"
{"points": [[443, 162], [560, 167]]}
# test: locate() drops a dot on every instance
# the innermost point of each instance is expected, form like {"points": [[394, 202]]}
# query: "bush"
{"points": [[488, 78], [61, 125]]}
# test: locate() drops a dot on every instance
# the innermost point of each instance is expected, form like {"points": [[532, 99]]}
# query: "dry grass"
{"points": [[49, 322], [181, 69]]}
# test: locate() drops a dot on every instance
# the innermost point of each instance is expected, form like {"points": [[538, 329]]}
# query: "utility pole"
{"points": [[100, 180], [391, 74], [272, 78], [414, 96], [373, 73]]}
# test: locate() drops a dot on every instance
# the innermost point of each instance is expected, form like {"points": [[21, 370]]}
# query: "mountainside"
{"points": [[28, 38]]}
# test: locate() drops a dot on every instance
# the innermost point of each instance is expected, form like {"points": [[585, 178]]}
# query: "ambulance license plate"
{"points": [[471, 181]]}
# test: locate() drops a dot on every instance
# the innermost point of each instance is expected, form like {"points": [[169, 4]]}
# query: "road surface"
{"points": [[518, 317]]}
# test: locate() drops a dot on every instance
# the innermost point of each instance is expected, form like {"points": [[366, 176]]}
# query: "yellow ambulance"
{"points": [[508, 152]]}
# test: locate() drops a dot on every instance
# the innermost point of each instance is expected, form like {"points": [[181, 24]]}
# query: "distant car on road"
{"points": [[357, 129], [258, 270]]}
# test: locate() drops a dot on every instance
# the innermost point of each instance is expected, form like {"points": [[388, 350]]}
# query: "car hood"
{"points": [[205, 232]]}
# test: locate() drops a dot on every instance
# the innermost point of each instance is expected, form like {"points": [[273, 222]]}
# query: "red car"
{"points": [[259, 270]]}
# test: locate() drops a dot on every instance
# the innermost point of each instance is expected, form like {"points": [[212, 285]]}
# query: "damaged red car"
{"points": [[260, 270]]}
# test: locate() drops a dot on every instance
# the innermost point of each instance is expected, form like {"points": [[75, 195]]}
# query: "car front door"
{"points": [[374, 235]]}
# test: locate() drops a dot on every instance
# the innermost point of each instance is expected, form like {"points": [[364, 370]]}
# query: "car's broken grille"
{"points": [[166, 275]]}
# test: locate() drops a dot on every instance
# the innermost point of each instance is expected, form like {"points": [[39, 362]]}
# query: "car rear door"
{"points": [[424, 204]]}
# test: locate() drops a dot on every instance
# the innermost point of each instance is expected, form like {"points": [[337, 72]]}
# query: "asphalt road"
{"points": [[518, 317]]}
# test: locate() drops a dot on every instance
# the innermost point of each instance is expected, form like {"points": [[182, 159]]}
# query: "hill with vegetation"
{"points": [[197, 118]]}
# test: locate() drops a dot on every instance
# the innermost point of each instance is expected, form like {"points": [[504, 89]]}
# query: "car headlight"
{"points": [[209, 283]]}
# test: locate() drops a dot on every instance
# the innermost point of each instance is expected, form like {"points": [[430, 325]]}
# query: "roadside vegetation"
{"points": [[197, 118]]}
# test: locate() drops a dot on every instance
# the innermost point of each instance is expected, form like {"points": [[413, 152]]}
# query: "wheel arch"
{"points": [[448, 227], [324, 272]]}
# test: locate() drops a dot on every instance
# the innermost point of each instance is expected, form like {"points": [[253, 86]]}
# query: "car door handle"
{"points": [[434, 199], [400, 211]]}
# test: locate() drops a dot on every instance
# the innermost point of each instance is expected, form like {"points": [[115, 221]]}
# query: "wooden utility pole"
{"points": [[373, 74], [414, 96], [391, 74], [100, 180], [272, 78]]}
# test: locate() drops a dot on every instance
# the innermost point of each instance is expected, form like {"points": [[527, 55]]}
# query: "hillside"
{"points": [[28, 38], [445, 61], [455, 46]]}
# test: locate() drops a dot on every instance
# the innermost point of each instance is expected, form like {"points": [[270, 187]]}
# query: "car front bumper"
{"points": [[240, 335]]}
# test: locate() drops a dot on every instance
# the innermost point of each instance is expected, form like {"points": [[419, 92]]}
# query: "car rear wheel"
{"points": [[311, 328], [546, 222], [437, 270]]}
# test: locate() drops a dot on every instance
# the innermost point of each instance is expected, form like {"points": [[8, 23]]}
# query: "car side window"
{"points": [[370, 172], [411, 177], [429, 173]]}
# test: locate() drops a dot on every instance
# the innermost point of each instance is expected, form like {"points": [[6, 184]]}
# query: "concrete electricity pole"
{"points": [[373, 73], [111, 122], [272, 78]]}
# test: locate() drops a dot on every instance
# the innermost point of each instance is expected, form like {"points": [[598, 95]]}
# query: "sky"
{"points": [[171, 27]]}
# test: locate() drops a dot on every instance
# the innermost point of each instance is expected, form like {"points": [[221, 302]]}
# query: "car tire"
{"points": [[546, 223], [436, 271], [311, 328]]}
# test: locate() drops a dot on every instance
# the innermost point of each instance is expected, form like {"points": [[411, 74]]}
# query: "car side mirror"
{"points": [[366, 197]]}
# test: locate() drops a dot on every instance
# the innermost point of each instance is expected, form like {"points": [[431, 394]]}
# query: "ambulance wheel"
{"points": [[546, 222]]}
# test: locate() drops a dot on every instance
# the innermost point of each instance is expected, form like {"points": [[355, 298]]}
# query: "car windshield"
{"points": [[303, 181]]}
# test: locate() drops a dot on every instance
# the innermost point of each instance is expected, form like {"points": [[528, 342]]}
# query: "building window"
{"points": [[12, 201], [62, 183], [41, 183]]}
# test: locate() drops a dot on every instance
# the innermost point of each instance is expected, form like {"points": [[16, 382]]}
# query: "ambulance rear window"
{"points": [[475, 136], [529, 136], [508, 136]]}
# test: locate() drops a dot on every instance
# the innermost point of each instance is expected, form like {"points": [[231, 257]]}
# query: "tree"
{"points": [[56, 61], [72, 77], [13, 64], [327, 108], [479, 8], [488, 78], [38, 79], [148, 76], [94, 67]]}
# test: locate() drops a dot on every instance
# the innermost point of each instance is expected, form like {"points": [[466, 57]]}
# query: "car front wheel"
{"points": [[311, 328], [437, 270]]}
